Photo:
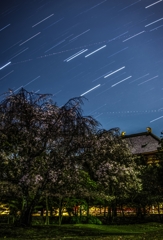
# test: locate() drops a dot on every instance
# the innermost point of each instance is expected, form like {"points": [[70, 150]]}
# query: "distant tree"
{"points": [[38, 143], [114, 168], [151, 193], [152, 189]]}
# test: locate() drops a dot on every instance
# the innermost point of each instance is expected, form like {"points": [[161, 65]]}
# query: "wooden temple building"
{"points": [[144, 143]]}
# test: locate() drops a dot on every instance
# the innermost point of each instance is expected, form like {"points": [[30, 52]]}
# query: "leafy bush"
{"points": [[75, 220], [94, 220]]}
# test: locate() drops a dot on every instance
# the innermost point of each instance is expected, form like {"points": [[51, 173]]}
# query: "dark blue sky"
{"points": [[110, 51]]}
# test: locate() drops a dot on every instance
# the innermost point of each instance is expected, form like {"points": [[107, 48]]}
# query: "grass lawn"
{"points": [[149, 231]]}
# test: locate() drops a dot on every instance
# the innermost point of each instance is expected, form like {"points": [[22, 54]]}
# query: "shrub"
{"points": [[93, 220]]}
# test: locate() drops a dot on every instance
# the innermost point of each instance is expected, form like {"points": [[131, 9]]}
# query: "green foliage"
{"points": [[93, 220], [76, 220]]}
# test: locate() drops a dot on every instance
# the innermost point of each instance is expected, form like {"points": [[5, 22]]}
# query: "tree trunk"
{"points": [[88, 208], [42, 212], [109, 213], [51, 212], [122, 211], [26, 213], [139, 211], [80, 210], [47, 211], [60, 211], [26, 217], [158, 205], [104, 210], [100, 209], [114, 209], [28, 206], [144, 211]]}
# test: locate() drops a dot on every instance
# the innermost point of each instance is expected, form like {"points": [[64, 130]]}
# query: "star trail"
{"points": [[110, 52]]}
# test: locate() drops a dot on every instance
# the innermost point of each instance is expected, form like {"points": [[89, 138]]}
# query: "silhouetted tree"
{"points": [[38, 143]]}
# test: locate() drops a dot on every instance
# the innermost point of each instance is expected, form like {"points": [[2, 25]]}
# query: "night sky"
{"points": [[109, 51]]}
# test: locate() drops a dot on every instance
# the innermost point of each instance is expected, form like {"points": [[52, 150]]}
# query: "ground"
{"points": [[149, 231]]}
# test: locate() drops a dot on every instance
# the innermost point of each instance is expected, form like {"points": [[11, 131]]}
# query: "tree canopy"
{"points": [[46, 149]]}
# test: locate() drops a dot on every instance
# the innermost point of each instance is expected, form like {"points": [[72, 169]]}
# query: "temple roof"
{"points": [[142, 143]]}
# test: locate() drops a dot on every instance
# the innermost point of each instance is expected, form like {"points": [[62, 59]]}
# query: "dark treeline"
{"points": [[55, 157]]}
